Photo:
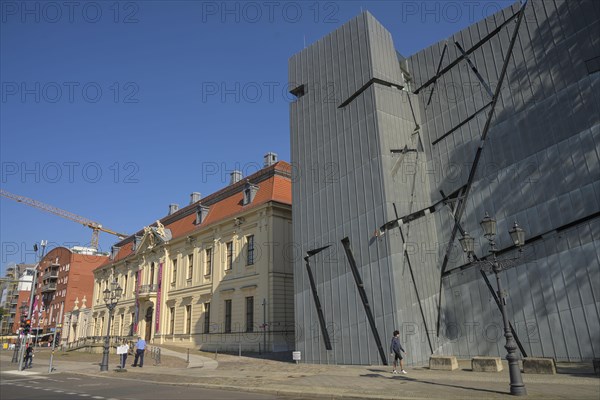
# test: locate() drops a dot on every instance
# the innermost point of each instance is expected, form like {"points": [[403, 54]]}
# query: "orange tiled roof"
{"points": [[274, 184]]}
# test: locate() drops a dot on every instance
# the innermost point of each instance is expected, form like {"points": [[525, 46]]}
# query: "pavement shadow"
{"points": [[581, 370], [450, 385], [373, 376], [281, 356], [378, 374]]}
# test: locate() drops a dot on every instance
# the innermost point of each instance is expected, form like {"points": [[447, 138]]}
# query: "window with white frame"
{"points": [[250, 250], [208, 261], [250, 314], [190, 266], [188, 319], [172, 321], [206, 317], [228, 256], [228, 310], [174, 278]]}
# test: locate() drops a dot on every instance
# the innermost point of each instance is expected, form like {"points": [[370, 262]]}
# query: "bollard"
{"points": [[155, 354], [216, 353], [188, 356], [239, 349]]}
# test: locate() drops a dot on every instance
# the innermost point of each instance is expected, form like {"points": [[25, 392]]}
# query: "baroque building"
{"points": [[216, 274]]}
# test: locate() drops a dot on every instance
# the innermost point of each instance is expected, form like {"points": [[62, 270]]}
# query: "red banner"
{"points": [[158, 296]]}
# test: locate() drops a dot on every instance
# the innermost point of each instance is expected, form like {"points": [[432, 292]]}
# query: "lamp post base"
{"points": [[518, 390], [104, 364], [517, 387]]}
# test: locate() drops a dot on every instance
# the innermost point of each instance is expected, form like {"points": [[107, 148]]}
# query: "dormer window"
{"points": [[201, 213], [136, 242], [113, 252], [249, 193]]}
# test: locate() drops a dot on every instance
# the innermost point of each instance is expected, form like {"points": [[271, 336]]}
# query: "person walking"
{"points": [[28, 359], [140, 348], [395, 350]]}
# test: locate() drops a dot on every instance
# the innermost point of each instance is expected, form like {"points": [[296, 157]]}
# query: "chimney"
{"points": [[195, 197], [270, 159], [236, 176], [173, 208]]}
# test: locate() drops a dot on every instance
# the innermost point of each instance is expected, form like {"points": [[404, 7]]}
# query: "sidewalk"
{"points": [[333, 382]]}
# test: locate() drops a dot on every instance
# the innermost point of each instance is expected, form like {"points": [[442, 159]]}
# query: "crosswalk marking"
{"points": [[54, 390]]}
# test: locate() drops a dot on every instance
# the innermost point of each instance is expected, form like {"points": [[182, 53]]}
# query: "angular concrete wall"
{"points": [[540, 165]]}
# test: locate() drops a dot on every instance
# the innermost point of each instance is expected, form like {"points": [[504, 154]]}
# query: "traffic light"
{"points": [[27, 326]]}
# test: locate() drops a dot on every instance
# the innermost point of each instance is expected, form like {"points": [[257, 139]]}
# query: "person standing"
{"points": [[140, 348], [395, 350], [125, 353]]}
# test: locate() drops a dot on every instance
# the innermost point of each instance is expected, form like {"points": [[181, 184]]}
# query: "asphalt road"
{"points": [[66, 386]]}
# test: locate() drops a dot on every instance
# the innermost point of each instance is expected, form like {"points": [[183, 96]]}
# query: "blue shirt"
{"points": [[395, 346], [141, 344]]}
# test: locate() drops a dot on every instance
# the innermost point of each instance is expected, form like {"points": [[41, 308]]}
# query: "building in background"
{"points": [[384, 148], [15, 294], [64, 276], [216, 274], [78, 323]]}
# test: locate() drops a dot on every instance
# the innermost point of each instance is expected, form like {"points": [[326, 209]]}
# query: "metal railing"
{"points": [[155, 354], [50, 274], [49, 287], [114, 341], [97, 341], [147, 289]]}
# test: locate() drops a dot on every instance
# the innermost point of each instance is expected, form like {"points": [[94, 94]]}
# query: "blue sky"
{"points": [[113, 110]]}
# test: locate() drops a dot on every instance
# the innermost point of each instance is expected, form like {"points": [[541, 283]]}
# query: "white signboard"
{"points": [[122, 349], [296, 355]]}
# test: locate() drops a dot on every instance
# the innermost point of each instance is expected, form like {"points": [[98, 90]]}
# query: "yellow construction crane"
{"points": [[94, 226]]}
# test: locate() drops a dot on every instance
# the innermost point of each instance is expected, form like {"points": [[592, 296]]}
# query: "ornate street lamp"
{"points": [[111, 298], [517, 234]]}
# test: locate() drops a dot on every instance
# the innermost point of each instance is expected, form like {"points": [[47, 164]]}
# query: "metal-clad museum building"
{"points": [[388, 153]]}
